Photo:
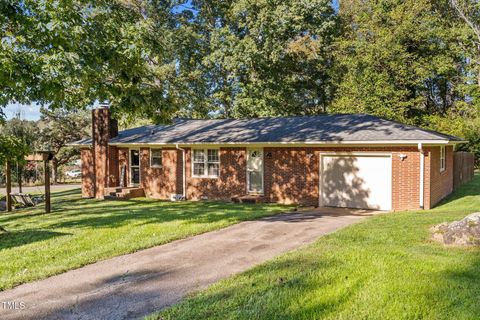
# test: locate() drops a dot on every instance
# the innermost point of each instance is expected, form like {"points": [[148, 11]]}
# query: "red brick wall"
{"points": [[159, 183], [426, 183], [88, 175], [100, 135], [441, 183], [231, 182], [106, 157], [406, 179], [113, 167], [291, 175]]}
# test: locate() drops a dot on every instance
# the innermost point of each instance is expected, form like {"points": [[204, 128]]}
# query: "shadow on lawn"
{"points": [[471, 188], [113, 214], [14, 239]]}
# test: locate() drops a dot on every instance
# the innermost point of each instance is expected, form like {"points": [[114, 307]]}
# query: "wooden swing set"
{"points": [[26, 199]]}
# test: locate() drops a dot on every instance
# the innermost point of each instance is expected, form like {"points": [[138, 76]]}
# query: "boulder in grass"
{"points": [[465, 232]]}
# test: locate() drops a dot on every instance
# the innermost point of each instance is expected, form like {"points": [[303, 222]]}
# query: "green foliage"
{"points": [[60, 127], [397, 59], [27, 131], [268, 58], [12, 149], [69, 54]]}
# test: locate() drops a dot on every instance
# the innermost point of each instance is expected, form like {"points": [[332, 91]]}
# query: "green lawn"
{"points": [[383, 268], [79, 231]]}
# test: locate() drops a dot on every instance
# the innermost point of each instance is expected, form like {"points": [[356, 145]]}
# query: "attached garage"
{"points": [[356, 181]]}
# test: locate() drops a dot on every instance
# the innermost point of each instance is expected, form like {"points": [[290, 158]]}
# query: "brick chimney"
{"points": [[105, 164]]}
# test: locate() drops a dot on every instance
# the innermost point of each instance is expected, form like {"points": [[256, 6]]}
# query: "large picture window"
{"points": [[156, 158], [443, 163], [206, 163]]}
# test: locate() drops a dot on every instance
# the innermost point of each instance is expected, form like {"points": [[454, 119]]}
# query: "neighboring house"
{"points": [[358, 161]]}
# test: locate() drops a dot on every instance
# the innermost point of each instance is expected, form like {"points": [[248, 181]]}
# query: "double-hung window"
{"points": [[206, 163], [443, 163], [156, 158]]}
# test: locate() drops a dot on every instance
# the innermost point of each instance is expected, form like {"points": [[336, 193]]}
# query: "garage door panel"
{"points": [[357, 181]]}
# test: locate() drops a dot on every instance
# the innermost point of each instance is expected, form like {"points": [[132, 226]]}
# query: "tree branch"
{"points": [[461, 12]]}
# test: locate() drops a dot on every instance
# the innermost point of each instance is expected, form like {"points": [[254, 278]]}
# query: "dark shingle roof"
{"points": [[309, 129]]}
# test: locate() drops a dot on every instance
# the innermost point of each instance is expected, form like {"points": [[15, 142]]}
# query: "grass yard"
{"points": [[79, 231], [383, 268]]}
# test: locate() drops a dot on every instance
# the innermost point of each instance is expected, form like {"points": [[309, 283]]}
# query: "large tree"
{"points": [[12, 150], [60, 127], [69, 54], [398, 59], [25, 131], [412, 61], [266, 58]]}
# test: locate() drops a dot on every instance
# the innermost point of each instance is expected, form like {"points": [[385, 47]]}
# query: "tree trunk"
{"points": [[8, 175], [19, 178], [46, 170], [55, 171]]}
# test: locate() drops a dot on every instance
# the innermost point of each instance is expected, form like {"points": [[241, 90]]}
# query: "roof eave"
{"points": [[79, 145], [309, 143]]}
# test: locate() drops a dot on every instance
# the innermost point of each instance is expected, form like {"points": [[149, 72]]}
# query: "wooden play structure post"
{"points": [[46, 169], [8, 182], [44, 156]]}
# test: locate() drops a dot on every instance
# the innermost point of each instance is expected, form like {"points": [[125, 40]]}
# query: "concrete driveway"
{"points": [[134, 285]]}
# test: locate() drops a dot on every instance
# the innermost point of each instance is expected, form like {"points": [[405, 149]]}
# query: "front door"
{"points": [[134, 167], [255, 171]]}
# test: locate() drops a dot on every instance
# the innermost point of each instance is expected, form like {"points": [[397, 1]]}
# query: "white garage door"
{"points": [[357, 181]]}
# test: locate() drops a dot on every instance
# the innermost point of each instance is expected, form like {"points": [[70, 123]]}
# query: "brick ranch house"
{"points": [[357, 161]]}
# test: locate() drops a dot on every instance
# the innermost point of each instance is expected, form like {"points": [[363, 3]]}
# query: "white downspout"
{"points": [[422, 173], [184, 184]]}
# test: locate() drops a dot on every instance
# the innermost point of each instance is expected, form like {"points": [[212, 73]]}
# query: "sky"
{"points": [[28, 112]]}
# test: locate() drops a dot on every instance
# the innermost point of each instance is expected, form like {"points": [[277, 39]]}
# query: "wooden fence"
{"points": [[463, 167]]}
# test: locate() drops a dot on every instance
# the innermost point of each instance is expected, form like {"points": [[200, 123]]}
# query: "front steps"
{"points": [[120, 193], [249, 199]]}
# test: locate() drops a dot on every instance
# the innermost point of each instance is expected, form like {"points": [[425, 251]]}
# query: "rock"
{"points": [[465, 232]]}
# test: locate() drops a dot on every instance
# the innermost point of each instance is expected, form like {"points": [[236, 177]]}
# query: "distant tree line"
{"points": [[54, 130], [415, 61]]}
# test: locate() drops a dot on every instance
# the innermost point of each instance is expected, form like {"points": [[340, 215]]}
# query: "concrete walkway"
{"points": [[134, 285]]}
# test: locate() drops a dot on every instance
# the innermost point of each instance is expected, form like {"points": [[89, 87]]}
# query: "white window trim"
{"points": [[205, 162], [443, 158], [161, 158]]}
